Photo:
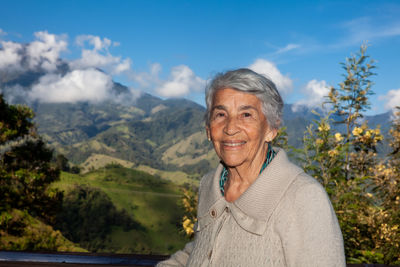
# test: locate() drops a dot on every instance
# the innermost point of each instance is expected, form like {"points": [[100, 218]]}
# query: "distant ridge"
{"points": [[166, 134]]}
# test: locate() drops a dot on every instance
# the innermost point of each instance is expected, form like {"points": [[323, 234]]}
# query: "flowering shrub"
{"points": [[189, 202], [363, 188]]}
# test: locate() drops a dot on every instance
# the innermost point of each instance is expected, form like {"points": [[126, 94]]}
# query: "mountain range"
{"points": [[164, 134]]}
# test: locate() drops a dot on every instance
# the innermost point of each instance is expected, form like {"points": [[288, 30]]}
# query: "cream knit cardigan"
{"points": [[284, 218]]}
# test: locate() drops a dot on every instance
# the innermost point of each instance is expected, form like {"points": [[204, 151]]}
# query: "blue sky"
{"points": [[171, 48]]}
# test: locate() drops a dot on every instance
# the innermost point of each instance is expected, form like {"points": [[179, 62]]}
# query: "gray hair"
{"points": [[248, 81]]}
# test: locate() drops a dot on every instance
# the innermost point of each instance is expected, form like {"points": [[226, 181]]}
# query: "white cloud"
{"points": [[99, 56], [10, 55], [269, 69], [95, 41], [2, 33], [181, 81], [287, 48], [147, 79], [14, 94], [79, 85], [45, 51], [392, 98], [314, 92], [85, 81], [123, 66], [365, 29], [42, 53]]}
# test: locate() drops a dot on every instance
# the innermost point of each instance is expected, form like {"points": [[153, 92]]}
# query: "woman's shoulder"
{"points": [[208, 179], [301, 183], [305, 193]]}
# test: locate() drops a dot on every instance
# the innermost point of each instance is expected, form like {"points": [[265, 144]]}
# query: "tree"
{"points": [[363, 189], [350, 99], [15, 122], [26, 171], [88, 216], [62, 163]]}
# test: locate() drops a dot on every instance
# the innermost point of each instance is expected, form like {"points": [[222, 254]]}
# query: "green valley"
{"points": [[152, 203]]}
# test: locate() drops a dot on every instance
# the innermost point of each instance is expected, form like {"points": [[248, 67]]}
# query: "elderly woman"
{"points": [[257, 208]]}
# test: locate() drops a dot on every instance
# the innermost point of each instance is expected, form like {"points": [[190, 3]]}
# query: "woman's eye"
{"points": [[246, 115], [219, 115]]}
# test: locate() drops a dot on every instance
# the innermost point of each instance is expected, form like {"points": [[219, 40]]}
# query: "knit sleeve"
{"points": [[179, 258], [313, 237]]}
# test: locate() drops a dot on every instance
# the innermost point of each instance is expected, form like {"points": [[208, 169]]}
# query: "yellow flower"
{"points": [[357, 131], [188, 226], [186, 223], [378, 137], [368, 134], [380, 167], [338, 137], [319, 141], [333, 153], [324, 127], [189, 231]]}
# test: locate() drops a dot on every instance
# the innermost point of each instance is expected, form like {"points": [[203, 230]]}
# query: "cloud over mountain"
{"points": [[181, 80], [43, 53], [392, 99], [86, 78], [269, 69], [10, 57], [314, 93], [77, 85], [99, 56], [49, 76]]}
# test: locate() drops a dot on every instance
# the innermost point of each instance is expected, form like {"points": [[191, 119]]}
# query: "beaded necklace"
{"points": [[224, 174]]}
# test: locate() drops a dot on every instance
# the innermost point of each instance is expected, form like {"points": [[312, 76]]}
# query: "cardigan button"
{"points": [[213, 213]]}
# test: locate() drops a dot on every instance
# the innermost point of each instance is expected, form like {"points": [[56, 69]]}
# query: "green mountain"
{"points": [[120, 210], [163, 134], [167, 135]]}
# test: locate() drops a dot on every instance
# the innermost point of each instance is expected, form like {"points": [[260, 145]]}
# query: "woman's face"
{"points": [[238, 128]]}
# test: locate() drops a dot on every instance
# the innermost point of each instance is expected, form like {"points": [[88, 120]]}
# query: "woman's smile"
{"points": [[233, 144]]}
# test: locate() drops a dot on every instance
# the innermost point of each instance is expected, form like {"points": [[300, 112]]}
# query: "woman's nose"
{"points": [[231, 127]]}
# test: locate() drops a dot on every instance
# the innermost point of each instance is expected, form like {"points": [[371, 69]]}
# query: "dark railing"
{"points": [[16, 259]]}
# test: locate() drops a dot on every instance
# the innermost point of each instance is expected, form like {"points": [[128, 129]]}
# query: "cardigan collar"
{"points": [[253, 209]]}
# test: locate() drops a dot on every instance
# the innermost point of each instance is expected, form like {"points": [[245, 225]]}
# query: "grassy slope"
{"points": [[97, 161], [190, 150], [177, 177], [35, 235], [151, 201]]}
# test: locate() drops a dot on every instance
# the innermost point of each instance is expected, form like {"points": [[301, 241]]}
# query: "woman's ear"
{"points": [[208, 133], [270, 135]]}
